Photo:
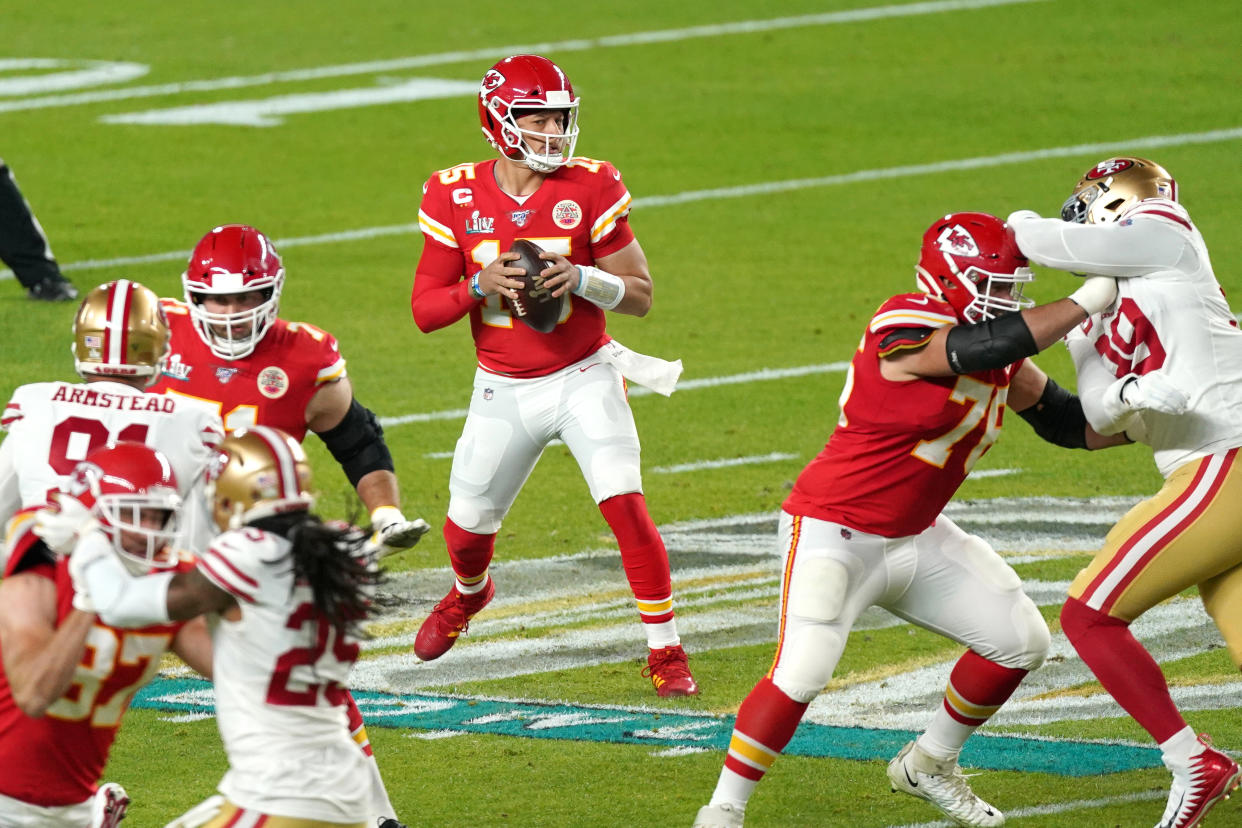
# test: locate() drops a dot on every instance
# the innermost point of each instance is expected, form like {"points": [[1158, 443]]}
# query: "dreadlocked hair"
{"points": [[329, 557]]}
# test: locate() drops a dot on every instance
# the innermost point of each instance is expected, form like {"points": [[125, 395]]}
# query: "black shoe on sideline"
{"points": [[53, 290]]}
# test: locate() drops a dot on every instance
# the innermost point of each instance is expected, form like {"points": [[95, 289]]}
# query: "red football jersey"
{"points": [[59, 758], [901, 449], [271, 387], [580, 211]]}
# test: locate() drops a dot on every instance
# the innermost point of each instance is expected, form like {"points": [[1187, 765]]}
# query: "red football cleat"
{"points": [[450, 618], [1206, 779], [670, 673]]}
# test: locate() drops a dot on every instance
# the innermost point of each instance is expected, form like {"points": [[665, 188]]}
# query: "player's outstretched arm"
{"points": [[1055, 413], [995, 343], [355, 438]]}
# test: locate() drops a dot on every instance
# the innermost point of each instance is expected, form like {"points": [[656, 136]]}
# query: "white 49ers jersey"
{"points": [[53, 425], [280, 675], [1170, 316]]}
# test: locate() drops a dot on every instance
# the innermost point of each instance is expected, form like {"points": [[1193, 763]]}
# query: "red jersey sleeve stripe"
{"points": [[1174, 217], [204, 566], [12, 413]]}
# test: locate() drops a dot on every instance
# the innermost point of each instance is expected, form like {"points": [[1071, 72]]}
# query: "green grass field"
{"points": [[785, 162]]}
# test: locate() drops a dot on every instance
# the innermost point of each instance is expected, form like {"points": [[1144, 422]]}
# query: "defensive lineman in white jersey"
{"points": [[1164, 364], [120, 340]]}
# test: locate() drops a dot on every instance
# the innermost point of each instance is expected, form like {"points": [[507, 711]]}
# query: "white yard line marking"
{"points": [[1059, 808], [269, 112], [723, 464], [497, 52], [881, 174]]}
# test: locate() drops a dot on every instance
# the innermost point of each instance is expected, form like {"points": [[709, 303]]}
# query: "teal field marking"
{"points": [[446, 715]]}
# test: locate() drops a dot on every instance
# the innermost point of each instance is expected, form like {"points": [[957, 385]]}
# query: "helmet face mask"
{"points": [[522, 85], [234, 259], [257, 472], [120, 331], [1110, 188], [132, 491], [972, 261]]}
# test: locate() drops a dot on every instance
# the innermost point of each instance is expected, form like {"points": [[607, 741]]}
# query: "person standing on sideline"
{"points": [[923, 400], [24, 246], [1163, 364], [533, 387]]}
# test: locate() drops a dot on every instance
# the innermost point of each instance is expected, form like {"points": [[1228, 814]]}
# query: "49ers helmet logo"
{"points": [[1110, 167], [957, 241]]}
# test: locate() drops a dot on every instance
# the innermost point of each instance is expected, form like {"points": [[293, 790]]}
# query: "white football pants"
{"points": [[511, 420], [942, 579]]}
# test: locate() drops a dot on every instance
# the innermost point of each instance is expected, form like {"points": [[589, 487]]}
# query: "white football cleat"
{"points": [[108, 806], [942, 783], [719, 816]]}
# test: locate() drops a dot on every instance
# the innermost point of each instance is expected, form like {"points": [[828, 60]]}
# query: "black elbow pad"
{"points": [[1058, 417], [993, 343], [357, 443]]}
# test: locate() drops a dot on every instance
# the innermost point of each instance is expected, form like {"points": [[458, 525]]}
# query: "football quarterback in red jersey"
{"points": [[1164, 362], [67, 677], [234, 355], [923, 400], [533, 387]]}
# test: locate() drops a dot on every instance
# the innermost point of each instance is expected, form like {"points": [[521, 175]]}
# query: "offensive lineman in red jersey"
{"points": [[923, 400], [531, 387], [67, 677], [232, 354]]}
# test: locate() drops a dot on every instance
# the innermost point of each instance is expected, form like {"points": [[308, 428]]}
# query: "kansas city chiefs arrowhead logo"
{"points": [[491, 80], [957, 241]]}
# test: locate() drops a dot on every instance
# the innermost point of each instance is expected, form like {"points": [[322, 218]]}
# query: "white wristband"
{"points": [[1096, 294], [600, 287]]}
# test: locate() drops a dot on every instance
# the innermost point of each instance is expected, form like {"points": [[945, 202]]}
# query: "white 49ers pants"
{"points": [[942, 579], [511, 420]]}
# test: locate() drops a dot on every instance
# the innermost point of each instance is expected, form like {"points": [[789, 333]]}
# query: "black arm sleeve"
{"points": [[995, 343], [357, 443], [1058, 417]]}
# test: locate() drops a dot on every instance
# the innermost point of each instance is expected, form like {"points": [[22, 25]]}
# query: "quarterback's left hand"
{"points": [[391, 532]]}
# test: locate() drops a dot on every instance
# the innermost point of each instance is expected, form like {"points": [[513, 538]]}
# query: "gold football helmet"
{"points": [[120, 331], [1113, 186], [257, 472]]}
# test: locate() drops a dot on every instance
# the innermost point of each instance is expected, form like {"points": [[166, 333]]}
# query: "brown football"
{"points": [[534, 304]]}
